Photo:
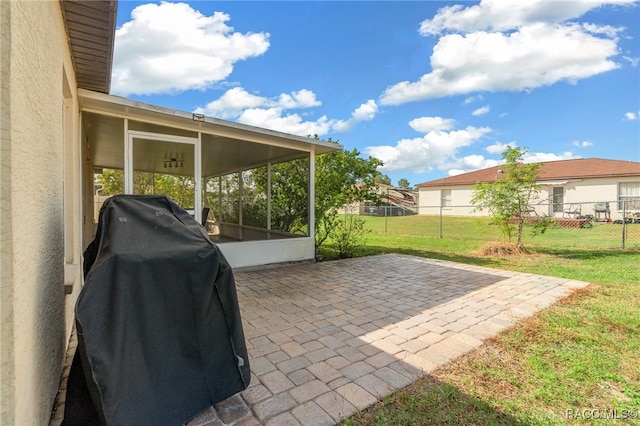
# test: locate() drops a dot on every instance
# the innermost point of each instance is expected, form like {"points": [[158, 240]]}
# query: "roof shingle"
{"points": [[581, 168]]}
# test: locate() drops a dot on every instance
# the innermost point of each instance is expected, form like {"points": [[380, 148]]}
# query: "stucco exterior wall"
{"points": [[591, 190], [586, 191], [430, 202], [7, 373], [36, 60]]}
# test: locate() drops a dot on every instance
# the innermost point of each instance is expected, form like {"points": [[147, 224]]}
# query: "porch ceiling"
{"points": [[226, 147]]}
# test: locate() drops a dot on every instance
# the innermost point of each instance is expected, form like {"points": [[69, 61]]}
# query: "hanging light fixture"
{"points": [[173, 162]]}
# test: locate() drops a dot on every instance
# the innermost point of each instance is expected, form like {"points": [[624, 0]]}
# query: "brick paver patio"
{"points": [[327, 339]]}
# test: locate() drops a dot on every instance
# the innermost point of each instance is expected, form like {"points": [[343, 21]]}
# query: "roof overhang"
{"points": [[557, 182], [227, 146], [91, 31]]}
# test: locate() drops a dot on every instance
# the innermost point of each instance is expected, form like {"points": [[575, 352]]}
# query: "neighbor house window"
{"points": [[446, 198], [629, 196], [557, 199]]}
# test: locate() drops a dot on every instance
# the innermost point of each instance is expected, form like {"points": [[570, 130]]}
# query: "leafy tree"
{"points": [[348, 235], [342, 178], [383, 179], [254, 200], [180, 188], [508, 197], [403, 183], [230, 198], [289, 195], [112, 181]]}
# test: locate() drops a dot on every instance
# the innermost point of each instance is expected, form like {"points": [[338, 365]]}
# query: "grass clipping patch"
{"points": [[502, 249]]}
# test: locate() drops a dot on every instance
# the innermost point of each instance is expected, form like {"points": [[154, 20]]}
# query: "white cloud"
{"points": [[231, 104], [365, 112], [438, 145], [276, 119], [583, 144], [630, 116], [427, 153], [471, 163], [482, 110], [632, 61], [535, 55], [471, 99], [499, 148], [301, 99], [271, 113], [429, 124], [606, 30], [506, 45], [538, 157], [170, 47], [504, 15], [234, 101]]}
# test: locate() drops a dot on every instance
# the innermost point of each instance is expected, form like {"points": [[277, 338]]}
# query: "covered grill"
{"points": [[159, 330], [602, 212]]}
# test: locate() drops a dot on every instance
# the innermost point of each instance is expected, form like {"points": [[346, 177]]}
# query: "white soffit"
{"points": [[558, 182]]}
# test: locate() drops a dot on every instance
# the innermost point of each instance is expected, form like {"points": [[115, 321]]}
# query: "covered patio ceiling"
{"points": [[227, 147]]}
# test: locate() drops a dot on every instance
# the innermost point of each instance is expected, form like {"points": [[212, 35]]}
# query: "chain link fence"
{"points": [[589, 223]]}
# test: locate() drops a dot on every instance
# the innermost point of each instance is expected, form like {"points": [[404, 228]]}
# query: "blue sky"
{"points": [[431, 88]]}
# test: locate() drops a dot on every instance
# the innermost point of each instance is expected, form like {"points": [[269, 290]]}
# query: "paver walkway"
{"points": [[327, 339]]}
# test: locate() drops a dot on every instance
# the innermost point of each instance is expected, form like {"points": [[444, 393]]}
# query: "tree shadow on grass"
{"points": [[586, 254], [430, 401], [565, 253], [372, 250]]}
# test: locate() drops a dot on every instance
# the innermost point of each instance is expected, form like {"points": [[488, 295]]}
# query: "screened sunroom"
{"points": [[251, 188]]}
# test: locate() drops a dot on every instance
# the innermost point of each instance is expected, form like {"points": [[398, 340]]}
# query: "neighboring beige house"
{"points": [[564, 183], [58, 128]]}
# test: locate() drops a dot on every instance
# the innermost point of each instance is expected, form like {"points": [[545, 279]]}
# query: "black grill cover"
{"points": [[158, 322]]}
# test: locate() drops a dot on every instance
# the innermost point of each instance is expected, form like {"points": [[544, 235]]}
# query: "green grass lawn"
{"points": [[578, 356], [600, 235]]}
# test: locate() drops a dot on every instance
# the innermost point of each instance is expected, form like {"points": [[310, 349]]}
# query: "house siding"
{"points": [[580, 191], [36, 58], [430, 201]]}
